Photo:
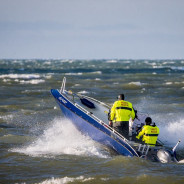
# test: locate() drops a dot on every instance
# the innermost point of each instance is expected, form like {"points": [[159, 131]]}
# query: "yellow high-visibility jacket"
{"points": [[150, 134], [122, 111]]}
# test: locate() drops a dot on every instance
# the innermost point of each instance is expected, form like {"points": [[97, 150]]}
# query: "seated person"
{"points": [[149, 132]]}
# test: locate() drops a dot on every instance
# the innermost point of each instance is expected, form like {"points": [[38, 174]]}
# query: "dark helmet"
{"points": [[121, 97], [148, 121]]}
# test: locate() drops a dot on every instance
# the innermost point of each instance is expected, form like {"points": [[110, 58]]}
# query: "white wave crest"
{"points": [[111, 61], [171, 133], [83, 92], [20, 76], [96, 72], [168, 83], [62, 138], [135, 83], [67, 61], [33, 81], [177, 68], [66, 180], [74, 73]]}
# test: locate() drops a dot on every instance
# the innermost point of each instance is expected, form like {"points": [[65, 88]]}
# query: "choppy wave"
{"points": [[66, 180], [41, 146], [136, 83], [177, 68], [83, 92], [74, 73], [138, 179], [25, 78], [62, 138], [33, 81], [96, 72], [112, 61], [172, 132], [20, 76], [14, 139]]}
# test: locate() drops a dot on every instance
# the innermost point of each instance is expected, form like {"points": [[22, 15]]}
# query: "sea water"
{"points": [[37, 143]]}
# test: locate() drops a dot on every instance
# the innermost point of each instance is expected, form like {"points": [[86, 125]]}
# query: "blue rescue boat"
{"points": [[90, 116]]}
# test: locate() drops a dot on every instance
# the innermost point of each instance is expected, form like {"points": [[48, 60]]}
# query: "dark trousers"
{"points": [[122, 127]]}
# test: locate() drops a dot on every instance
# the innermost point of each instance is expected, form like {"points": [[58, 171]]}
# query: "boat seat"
{"points": [[87, 103]]}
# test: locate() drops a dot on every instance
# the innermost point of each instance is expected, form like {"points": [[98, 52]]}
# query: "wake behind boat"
{"points": [[90, 116]]}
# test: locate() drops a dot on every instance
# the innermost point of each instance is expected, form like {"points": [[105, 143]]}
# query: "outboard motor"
{"points": [[164, 156]]}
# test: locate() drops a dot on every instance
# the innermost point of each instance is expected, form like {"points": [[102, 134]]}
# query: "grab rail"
{"points": [[93, 116], [63, 85], [100, 121]]}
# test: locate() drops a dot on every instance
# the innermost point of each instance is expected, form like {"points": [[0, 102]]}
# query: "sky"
{"points": [[92, 29]]}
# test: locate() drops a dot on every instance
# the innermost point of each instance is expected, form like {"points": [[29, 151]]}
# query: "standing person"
{"points": [[149, 132], [120, 114]]}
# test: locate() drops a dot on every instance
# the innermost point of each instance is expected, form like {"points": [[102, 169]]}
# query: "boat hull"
{"points": [[91, 127]]}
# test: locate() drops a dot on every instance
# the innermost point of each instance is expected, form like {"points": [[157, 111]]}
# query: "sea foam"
{"points": [[62, 138], [20, 76], [66, 180], [33, 81], [111, 61], [172, 132], [135, 83]]}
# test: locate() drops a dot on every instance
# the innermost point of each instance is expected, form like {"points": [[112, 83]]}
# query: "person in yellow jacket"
{"points": [[120, 114], [149, 133]]}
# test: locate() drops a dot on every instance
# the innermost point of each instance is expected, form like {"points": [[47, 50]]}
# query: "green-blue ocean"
{"points": [[39, 146]]}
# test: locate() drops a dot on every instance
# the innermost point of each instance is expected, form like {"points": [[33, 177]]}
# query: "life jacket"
{"points": [[122, 111], [150, 134]]}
